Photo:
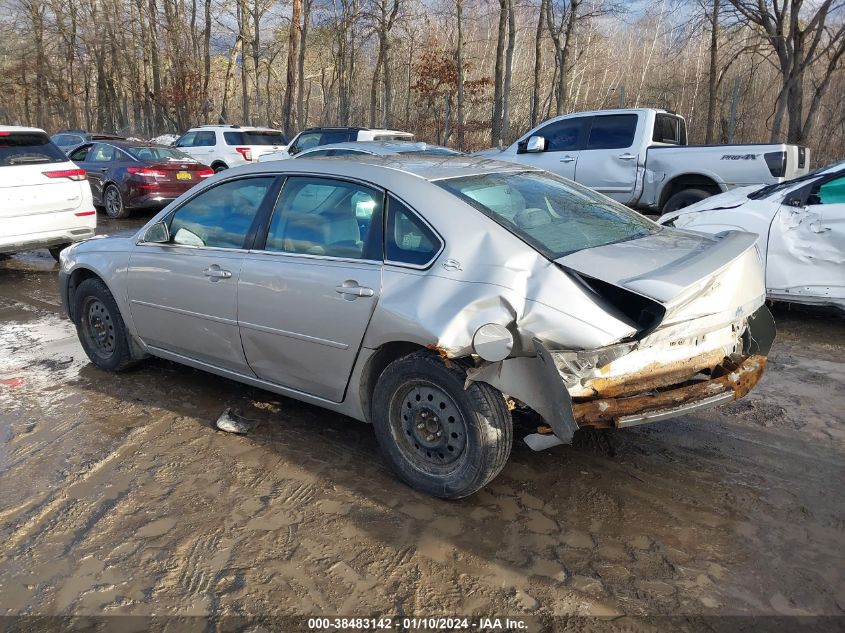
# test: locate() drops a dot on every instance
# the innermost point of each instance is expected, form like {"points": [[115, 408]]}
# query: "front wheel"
{"points": [[100, 327], [438, 437], [113, 203]]}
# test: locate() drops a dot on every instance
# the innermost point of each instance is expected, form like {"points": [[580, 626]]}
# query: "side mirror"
{"points": [[795, 202], [158, 233], [533, 145]]}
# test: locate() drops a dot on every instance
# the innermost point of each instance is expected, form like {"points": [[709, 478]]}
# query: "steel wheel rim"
{"points": [[98, 327], [429, 427], [113, 203]]}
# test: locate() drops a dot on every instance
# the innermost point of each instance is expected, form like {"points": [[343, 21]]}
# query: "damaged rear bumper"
{"points": [[537, 383]]}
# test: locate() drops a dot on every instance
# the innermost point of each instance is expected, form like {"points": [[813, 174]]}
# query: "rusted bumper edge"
{"points": [[536, 382]]}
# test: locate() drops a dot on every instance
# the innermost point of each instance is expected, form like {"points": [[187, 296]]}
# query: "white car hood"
{"points": [[728, 200]]}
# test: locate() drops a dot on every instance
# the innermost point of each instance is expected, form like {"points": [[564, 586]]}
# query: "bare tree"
{"points": [[800, 36], [293, 57]]}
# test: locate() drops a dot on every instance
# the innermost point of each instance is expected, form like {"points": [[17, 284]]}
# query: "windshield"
{"points": [[555, 216], [28, 148], [158, 153]]}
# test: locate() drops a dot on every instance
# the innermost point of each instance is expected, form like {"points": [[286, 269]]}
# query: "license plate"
{"points": [[183, 175]]}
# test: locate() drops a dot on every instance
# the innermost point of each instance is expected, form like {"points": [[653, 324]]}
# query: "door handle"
{"points": [[352, 289], [567, 159], [215, 273], [626, 156]]}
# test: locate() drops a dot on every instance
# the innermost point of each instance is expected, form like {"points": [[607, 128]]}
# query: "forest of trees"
{"points": [[468, 73]]}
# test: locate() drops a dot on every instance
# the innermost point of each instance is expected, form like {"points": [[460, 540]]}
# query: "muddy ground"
{"points": [[118, 496]]}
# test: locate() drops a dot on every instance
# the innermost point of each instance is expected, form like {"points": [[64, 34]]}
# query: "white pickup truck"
{"points": [[640, 157]]}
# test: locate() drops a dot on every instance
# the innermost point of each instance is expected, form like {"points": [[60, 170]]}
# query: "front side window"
{"points": [[408, 239], [307, 140], [187, 140], [334, 136], [220, 217], [563, 135], [80, 154], [612, 131], [322, 216], [831, 192], [28, 148], [555, 216]]}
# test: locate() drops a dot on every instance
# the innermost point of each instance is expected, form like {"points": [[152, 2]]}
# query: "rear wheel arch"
{"points": [[376, 364], [688, 181]]}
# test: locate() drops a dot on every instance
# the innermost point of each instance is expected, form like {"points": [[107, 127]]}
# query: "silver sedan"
{"points": [[430, 296]]}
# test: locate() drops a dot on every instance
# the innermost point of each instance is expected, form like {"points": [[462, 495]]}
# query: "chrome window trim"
{"points": [[429, 263]]}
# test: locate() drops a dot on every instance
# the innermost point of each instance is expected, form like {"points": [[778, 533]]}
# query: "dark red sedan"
{"points": [[126, 175]]}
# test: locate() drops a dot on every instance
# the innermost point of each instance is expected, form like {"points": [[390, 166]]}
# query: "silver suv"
{"points": [[224, 146]]}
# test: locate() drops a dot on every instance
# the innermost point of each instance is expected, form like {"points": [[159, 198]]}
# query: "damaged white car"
{"points": [[428, 296], [801, 224]]}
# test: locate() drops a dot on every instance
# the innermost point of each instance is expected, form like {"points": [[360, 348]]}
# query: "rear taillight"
{"points": [[205, 173], [72, 174], [146, 172], [82, 214], [776, 162], [245, 152]]}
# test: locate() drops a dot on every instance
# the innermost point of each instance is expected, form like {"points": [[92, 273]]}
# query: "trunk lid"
{"points": [[26, 190], [688, 274]]}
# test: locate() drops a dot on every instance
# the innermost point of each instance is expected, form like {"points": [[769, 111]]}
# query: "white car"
{"points": [[312, 137], [45, 199], [224, 146], [801, 229]]}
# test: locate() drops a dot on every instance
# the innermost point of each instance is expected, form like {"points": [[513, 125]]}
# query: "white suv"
{"points": [[45, 200], [224, 146]]}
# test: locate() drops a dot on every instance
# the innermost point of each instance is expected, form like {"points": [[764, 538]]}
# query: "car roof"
{"points": [[19, 128], [234, 128], [372, 167], [378, 147], [124, 144]]}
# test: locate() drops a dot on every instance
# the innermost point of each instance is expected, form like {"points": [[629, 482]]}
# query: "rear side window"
{"points": [[254, 137], [331, 218], [614, 131], [28, 148], [408, 239], [668, 129]]}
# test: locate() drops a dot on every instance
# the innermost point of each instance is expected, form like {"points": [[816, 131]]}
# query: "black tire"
{"points": [[684, 199], [113, 203], [100, 327], [218, 167], [55, 250], [466, 434]]}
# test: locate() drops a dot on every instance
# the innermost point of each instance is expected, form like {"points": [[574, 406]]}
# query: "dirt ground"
{"points": [[118, 496]]}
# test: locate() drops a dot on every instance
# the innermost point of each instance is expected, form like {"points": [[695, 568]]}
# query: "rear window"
{"points": [[668, 129], [28, 148], [555, 216], [254, 137], [157, 153], [393, 137]]}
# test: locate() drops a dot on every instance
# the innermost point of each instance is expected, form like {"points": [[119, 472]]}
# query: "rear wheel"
{"points": [[113, 203], [56, 250], [438, 437], [684, 199], [218, 167], [100, 327]]}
